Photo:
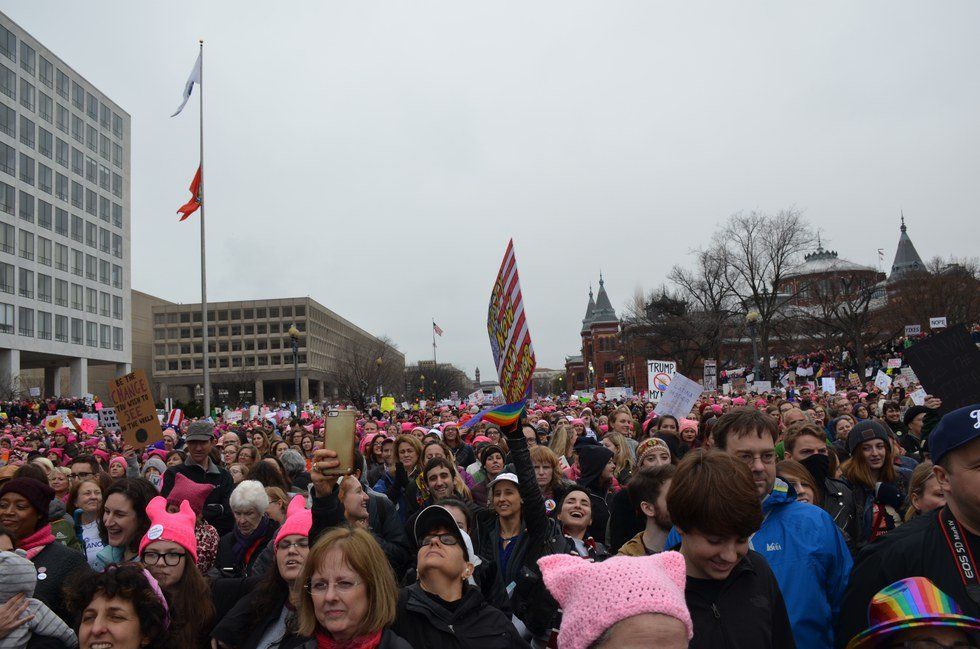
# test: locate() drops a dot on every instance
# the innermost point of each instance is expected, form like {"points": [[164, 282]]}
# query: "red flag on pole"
{"points": [[191, 206]]}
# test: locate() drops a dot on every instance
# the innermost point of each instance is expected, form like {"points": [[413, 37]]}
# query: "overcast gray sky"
{"points": [[377, 156]]}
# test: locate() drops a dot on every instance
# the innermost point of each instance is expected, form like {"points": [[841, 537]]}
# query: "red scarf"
{"points": [[324, 641], [37, 541]]}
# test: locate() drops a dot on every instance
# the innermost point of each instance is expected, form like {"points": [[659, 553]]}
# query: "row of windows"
{"points": [[60, 221], [45, 325], [51, 77], [54, 182], [59, 292], [223, 362], [25, 245], [173, 349], [219, 315], [222, 331]]}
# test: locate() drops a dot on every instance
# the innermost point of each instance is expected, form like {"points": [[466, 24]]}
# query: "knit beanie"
{"points": [[865, 431], [299, 519], [627, 586], [164, 526], [38, 494], [118, 459], [195, 493], [156, 463], [649, 445]]}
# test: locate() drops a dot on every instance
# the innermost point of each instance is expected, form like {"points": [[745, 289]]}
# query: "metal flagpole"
{"points": [[204, 275], [433, 341]]}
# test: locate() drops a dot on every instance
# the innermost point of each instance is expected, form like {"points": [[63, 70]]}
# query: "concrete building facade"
{"points": [[65, 301], [250, 349]]}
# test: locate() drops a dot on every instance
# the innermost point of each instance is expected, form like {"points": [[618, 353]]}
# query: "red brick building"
{"points": [[600, 362]]}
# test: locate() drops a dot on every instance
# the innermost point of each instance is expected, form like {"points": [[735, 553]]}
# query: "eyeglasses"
{"points": [[341, 586], [81, 475], [286, 546], [768, 457], [444, 539], [169, 558]]}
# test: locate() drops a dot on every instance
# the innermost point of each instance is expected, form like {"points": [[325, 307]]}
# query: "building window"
{"points": [[27, 169], [8, 82], [77, 328], [77, 297], [117, 219], [8, 44], [91, 138], [8, 234], [77, 128], [44, 178], [92, 334], [104, 267], [116, 276], [91, 202], [77, 199], [117, 184], [27, 245], [47, 72], [7, 198], [117, 126], [44, 251], [26, 281], [61, 328], [45, 107], [105, 304], [91, 301], [117, 307], [26, 317], [61, 152], [104, 114], [27, 94], [26, 207], [61, 220], [62, 84], [8, 159], [91, 106], [116, 155], [61, 292], [105, 336], [8, 120], [117, 338], [62, 118], [28, 58], [117, 247], [91, 267], [77, 226], [7, 318], [61, 188], [77, 95], [44, 325], [6, 278], [44, 210], [91, 234]]}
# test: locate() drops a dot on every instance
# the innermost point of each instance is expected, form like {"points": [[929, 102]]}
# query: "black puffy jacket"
{"points": [[474, 624]]}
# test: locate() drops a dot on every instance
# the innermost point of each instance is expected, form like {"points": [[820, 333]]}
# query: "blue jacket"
{"points": [[810, 559]]}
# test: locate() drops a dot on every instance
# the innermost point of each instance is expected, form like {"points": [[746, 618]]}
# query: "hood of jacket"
{"points": [[781, 494], [592, 460], [419, 601]]}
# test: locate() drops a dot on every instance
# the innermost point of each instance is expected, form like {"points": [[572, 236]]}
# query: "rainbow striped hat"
{"points": [[908, 604]]}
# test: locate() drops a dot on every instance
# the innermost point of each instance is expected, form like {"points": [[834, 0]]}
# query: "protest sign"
{"points": [[726, 388], [35, 392], [135, 411], [761, 386], [659, 374], [828, 384], [387, 404], [253, 412], [615, 393], [854, 379], [894, 363], [232, 416], [947, 365], [679, 397], [918, 397], [710, 375], [909, 374], [89, 399], [107, 419], [882, 381], [88, 425], [937, 323], [913, 330], [52, 423], [739, 384], [510, 338]]}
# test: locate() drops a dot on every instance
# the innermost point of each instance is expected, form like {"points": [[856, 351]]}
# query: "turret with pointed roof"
{"points": [[603, 311], [906, 256], [587, 320]]}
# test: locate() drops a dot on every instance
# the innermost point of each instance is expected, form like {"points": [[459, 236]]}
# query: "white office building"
{"points": [[64, 220]]}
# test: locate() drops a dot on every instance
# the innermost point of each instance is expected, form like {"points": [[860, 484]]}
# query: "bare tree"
{"points": [[711, 301], [755, 252], [238, 384], [10, 389], [429, 380], [367, 368], [949, 288]]}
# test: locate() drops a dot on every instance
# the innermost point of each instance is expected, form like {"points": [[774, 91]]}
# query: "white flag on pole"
{"points": [[195, 77]]}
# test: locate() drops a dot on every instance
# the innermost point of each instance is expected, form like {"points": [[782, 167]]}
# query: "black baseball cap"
{"points": [[435, 516]]}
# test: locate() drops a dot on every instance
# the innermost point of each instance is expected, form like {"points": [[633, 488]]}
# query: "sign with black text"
{"points": [[135, 410]]}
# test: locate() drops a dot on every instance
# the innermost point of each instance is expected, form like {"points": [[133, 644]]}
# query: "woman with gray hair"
{"points": [[295, 465], [239, 549]]}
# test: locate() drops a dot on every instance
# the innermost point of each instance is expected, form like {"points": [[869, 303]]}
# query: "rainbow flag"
{"points": [[504, 415]]}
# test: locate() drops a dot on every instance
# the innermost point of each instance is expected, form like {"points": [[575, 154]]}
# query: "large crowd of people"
{"points": [[790, 518]]}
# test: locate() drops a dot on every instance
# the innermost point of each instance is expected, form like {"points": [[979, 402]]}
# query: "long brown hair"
{"points": [[191, 608], [857, 471]]}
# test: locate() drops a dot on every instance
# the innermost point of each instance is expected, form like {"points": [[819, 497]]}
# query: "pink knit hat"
{"points": [[164, 526], [299, 519], [627, 586], [120, 460], [185, 489]]}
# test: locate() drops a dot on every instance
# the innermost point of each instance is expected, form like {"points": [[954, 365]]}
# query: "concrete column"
{"points": [[304, 389], [78, 370], [52, 381], [10, 368], [319, 391], [259, 391], [122, 369]]}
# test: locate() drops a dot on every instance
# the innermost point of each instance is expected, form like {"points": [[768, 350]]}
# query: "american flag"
{"points": [[175, 418], [436, 328]]}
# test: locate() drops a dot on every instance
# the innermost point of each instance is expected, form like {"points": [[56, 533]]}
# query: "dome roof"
{"points": [[826, 261]]}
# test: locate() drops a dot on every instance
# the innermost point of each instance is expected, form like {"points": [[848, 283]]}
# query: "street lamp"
{"points": [[591, 377], [751, 319], [294, 338]]}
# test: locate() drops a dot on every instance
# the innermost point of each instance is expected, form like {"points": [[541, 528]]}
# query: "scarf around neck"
{"points": [[243, 545], [370, 641], [37, 541]]}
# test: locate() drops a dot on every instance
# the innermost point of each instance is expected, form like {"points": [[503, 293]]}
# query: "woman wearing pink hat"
{"points": [[169, 552]]}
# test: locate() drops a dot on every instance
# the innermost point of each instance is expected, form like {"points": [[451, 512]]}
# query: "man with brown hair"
{"points": [[733, 596], [801, 543], [649, 487]]}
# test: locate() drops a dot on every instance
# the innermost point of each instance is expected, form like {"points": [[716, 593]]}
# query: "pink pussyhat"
{"points": [[177, 528], [626, 586], [299, 519]]}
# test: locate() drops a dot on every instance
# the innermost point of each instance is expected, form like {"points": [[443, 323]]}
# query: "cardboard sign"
{"points": [[918, 397], [937, 323], [710, 375], [882, 381], [107, 419], [135, 410], [894, 363], [679, 397], [948, 366], [913, 330], [828, 384], [659, 374]]}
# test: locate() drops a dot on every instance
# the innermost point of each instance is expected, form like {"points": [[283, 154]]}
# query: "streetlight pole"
{"points": [[294, 338], [751, 318]]}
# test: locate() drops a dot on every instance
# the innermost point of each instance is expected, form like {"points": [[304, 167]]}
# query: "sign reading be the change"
{"points": [[135, 409]]}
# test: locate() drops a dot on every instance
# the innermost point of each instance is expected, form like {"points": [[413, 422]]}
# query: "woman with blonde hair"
{"points": [[548, 472], [925, 494], [622, 457], [345, 601], [563, 441]]}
